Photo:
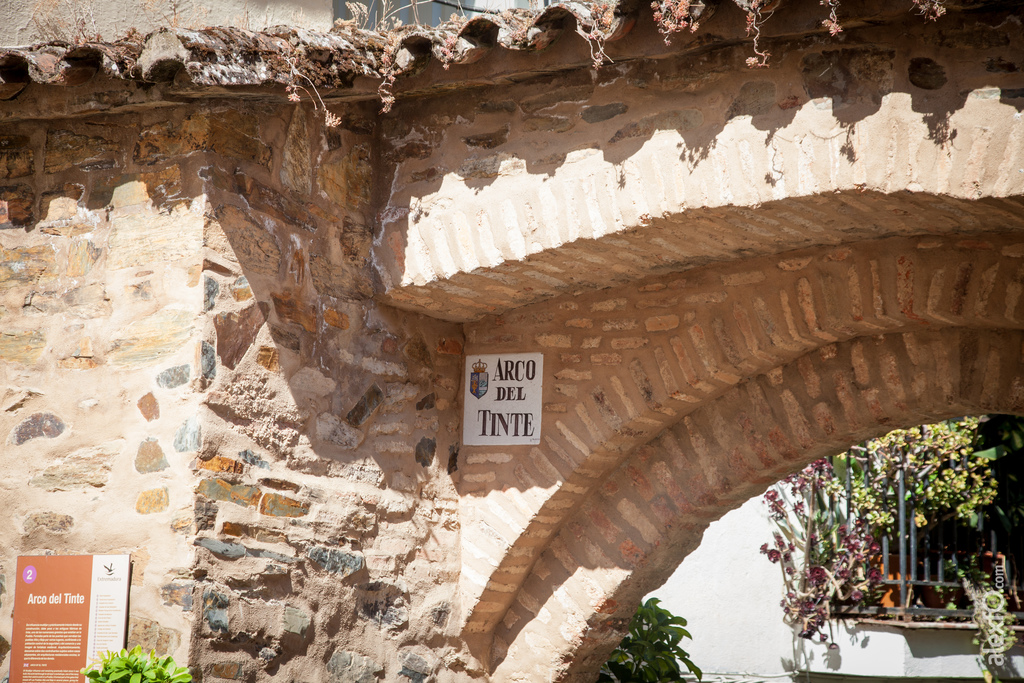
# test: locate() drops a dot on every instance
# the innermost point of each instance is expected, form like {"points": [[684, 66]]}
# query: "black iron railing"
{"points": [[922, 570]]}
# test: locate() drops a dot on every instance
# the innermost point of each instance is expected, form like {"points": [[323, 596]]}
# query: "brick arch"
{"points": [[625, 365], [629, 534], [499, 228]]}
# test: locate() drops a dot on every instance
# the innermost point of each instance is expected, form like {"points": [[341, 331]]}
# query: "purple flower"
{"points": [[817, 576]]}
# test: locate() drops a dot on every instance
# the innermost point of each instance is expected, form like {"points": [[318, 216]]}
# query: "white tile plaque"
{"points": [[502, 399]]}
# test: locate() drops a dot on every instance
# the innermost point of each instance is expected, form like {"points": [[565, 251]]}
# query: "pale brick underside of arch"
{"points": [[464, 249], [624, 365], [628, 536]]}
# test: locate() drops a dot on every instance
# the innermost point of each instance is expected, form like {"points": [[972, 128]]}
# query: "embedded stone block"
{"points": [[681, 120], [207, 360], [219, 463], [16, 202], [250, 458], [240, 289], [385, 604], [295, 621], [256, 248], [415, 667], [229, 670], [149, 339], [82, 255], [291, 310], [239, 494], [365, 406], [178, 594], [146, 237], [215, 610], [150, 635], [66, 149], [149, 407], [276, 505], [211, 288], [269, 358], [231, 133], [188, 436], [152, 501], [37, 426], [83, 468], [425, 451], [16, 156], [24, 266], [53, 522], [173, 377], [336, 561], [150, 457], [24, 347], [236, 332], [336, 318], [230, 551], [346, 178], [350, 667], [330, 428]]}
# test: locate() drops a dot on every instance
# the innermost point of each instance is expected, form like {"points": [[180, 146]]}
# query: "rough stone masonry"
{"points": [[232, 338]]}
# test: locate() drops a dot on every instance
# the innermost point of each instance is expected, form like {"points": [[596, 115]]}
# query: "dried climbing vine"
{"points": [[671, 16], [294, 89]]}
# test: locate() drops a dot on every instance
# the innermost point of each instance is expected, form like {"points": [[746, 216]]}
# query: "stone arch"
{"points": [[629, 534], [628, 364]]}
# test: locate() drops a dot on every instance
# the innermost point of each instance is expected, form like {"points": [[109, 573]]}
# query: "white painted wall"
{"points": [[729, 594], [26, 21]]}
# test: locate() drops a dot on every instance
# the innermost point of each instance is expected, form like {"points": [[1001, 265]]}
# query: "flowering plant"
{"points": [[822, 550]]}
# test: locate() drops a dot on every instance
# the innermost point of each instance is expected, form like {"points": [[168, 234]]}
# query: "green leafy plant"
{"points": [[651, 652], [135, 667], [946, 477], [1002, 439]]}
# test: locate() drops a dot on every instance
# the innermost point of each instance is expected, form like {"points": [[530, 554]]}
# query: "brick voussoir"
{"points": [[758, 335], [991, 357]]}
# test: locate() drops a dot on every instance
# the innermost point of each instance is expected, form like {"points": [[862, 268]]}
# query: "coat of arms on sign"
{"points": [[478, 379]]}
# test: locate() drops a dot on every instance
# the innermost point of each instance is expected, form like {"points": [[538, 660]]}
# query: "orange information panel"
{"points": [[67, 610]]}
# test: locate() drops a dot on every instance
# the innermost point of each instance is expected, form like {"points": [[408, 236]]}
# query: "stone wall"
{"points": [[39, 20], [193, 373], [234, 318]]}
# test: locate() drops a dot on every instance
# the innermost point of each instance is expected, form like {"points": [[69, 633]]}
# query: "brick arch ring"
{"points": [[671, 401]]}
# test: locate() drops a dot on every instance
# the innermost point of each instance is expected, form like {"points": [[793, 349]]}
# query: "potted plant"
{"points": [[833, 517], [135, 667], [823, 552], [651, 651], [943, 474]]}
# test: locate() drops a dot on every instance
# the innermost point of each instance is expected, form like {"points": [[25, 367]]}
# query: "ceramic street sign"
{"points": [[502, 399], [68, 609]]}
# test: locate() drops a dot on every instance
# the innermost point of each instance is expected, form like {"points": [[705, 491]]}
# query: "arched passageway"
{"points": [[675, 399], [728, 272], [629, 535]]}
